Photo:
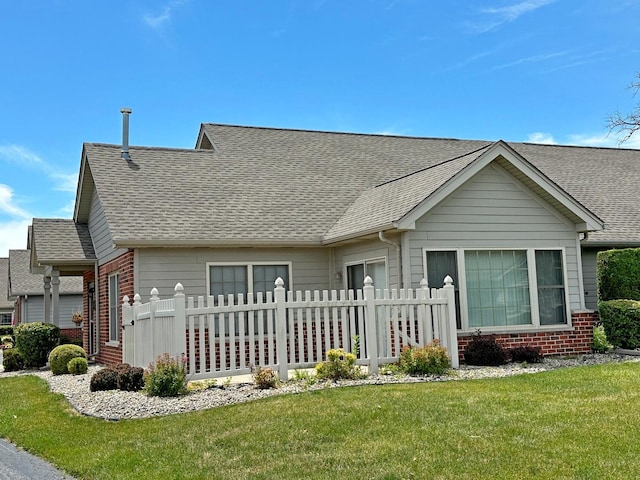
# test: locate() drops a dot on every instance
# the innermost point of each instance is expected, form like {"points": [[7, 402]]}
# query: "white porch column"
{"points": [[47, 298], [55, 297]]}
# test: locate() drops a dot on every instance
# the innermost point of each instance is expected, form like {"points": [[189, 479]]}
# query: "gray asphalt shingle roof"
{"points": [[5, 303], [23, 282], [274, 186], [61, 240]]}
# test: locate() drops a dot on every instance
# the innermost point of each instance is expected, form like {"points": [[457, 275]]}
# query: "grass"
{"points": [[574, 423]]}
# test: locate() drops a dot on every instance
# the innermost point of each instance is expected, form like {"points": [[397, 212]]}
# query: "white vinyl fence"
{"points": [[226, 336]]}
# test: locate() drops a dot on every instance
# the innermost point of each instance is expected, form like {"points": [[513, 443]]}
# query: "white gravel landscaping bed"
{"points": [[118, 405]]}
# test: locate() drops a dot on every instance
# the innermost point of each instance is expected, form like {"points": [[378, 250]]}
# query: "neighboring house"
{"points": [[6, 305], [26, 289], [516, 225]]}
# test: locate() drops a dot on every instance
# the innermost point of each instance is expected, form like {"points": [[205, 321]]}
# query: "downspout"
{"points": [[384, 239], [97, 314]]}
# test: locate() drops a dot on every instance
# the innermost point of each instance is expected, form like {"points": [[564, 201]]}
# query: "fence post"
{"points": [[151, 343], [281, 330], [180, 322], [127, 344], [371, 322], [452, 329], [137, 362]]}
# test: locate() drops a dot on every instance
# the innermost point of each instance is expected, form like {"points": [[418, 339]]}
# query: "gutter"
{"points": [[384, 239]]}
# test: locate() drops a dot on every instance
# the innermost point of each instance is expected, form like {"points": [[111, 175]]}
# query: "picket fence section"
{"points": [[226, 336]]}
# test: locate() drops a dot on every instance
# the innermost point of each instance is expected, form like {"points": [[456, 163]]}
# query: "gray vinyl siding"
{"points": [[34, 309], [494, 210], [366, 250], [162, 268], [100, 234]]}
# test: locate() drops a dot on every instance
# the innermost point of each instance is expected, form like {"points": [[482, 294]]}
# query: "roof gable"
{"points": [[23, 282]]}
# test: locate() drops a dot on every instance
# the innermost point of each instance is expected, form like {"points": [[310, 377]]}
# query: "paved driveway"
{"points": [[16, 464]]}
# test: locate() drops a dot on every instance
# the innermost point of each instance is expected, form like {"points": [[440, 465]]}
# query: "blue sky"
{"points": [[549, 71]]}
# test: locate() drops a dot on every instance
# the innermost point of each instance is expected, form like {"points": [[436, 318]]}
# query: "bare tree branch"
{"points": [[629, 123]]}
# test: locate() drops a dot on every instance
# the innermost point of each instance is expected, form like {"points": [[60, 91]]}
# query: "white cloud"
{"points": [[506, 14], [8, 205], [13, 236], [540, 137], [158, 20], [22, 156]]}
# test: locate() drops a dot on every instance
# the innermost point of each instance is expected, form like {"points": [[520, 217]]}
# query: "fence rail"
{"points": [[226, 336]]}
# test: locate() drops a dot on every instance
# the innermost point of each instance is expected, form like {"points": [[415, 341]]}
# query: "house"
{"points": [[6, 305], [516, 225], [27, 291]]}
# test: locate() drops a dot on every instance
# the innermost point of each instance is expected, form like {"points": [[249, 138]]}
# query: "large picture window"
{"points": [[503, 288], [114, 294]]}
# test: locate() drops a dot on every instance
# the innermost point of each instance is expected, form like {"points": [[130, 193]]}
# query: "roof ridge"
{"points": [[144, 147], [593, 147]]}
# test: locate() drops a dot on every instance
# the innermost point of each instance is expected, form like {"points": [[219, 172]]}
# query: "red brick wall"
{"points": [[123, 265], [577, 340]]}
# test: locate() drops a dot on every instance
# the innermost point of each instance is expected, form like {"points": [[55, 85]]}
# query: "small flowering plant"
{"points": [[167, 377], [76, 317]]}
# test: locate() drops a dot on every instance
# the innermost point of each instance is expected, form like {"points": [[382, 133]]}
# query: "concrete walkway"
{"points": [[16, 464]]}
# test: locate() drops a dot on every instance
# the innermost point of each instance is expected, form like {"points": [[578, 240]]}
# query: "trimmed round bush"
{"points": [[35, 341], [484, 350], [105, 379], [60, 357], [12, 360], [621, 322], [77, 366], [130, 379]]}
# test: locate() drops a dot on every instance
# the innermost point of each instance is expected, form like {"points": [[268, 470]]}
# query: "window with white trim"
{"points": [[114, 302], [503, 288], [5, 318], [225, 279], [376, 269]]}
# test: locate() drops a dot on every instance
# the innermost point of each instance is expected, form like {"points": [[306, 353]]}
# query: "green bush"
{"points": [[621, 322], [432, 359], [484, 350], [618, 274], [12, 360], [35, 341], [167, 377], [600, 342], [77, 366], [526, 353], [6, 330], [265, 378], [60, 357], [339, 365], [105, 379], [130, 379]]}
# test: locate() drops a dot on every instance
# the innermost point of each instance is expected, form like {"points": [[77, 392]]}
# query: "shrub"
{"points": [[166, 378], [12, 360], [130, 379], [484, 350], [339, 365], [6, 339], [60, 357], [618, 274], [105, 379], [600, 342], [35, 341], [66, 339], [77, 366], [432, 359], [265, 378], [6, 330], [526, 353], [621, 322]]}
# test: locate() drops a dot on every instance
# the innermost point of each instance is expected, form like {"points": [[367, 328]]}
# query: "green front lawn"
{"points": [[577, 423]]}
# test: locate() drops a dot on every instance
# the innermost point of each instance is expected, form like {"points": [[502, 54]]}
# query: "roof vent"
{"points": [[125, 133]]}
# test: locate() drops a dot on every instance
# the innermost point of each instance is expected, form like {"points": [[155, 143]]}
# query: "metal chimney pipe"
{"points": [[125, 133]]}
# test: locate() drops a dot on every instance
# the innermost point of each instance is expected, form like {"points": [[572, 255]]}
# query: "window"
{"points": [[114, 331], [252, 278], [376, 269], [503, 288], [5, 318]]}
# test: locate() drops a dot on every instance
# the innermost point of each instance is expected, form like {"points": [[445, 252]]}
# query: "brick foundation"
{"points": [[574, 341]]}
